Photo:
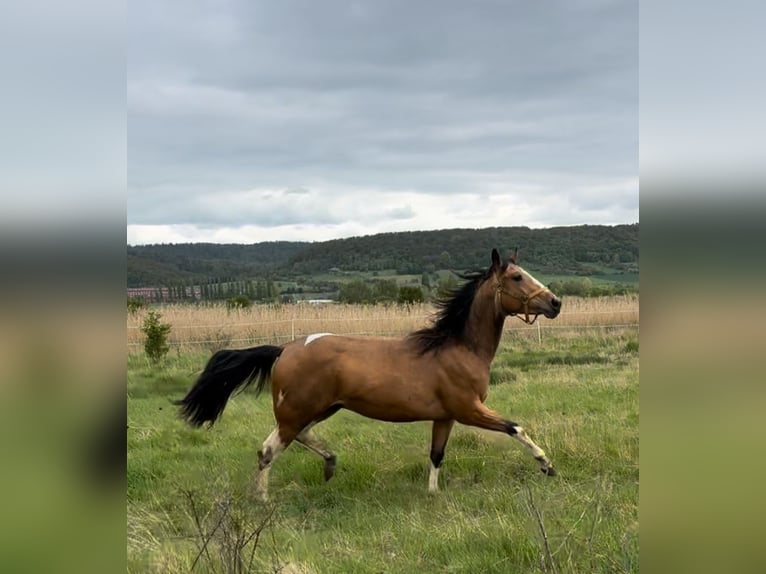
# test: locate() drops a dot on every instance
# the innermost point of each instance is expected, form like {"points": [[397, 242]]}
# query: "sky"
{"points": [[301, 120]]}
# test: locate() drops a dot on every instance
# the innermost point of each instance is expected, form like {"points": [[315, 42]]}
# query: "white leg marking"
{"points": [[272, 446], [314, 337], [262, 484], [433, 479], [537, 452]]}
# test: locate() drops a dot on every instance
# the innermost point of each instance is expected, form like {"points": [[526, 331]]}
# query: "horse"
{"points": [[439, 373]]}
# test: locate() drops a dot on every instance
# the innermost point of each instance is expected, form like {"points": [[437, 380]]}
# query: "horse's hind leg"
{"points": [[307, 439], [279, 439]]}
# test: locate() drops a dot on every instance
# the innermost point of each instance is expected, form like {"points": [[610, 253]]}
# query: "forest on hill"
{"points": [[173, 263], [582, 250]]}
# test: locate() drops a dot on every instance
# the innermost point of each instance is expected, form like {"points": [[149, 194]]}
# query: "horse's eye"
{"points": [[517, 277]]}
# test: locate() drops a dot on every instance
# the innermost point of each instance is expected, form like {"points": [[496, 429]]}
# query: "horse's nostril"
{"points": [[556, 302]]}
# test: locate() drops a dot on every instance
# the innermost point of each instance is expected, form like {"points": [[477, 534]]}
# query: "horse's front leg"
{"points": [[482, 417], [439, 437]]}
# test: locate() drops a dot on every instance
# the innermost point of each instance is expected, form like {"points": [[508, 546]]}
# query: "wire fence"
{"points": [[190, 330]]}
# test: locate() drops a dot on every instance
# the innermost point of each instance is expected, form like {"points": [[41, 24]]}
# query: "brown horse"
{"points": [[439, 374]]}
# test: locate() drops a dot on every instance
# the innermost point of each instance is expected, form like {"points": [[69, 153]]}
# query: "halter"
{"points": [[525, 299]]}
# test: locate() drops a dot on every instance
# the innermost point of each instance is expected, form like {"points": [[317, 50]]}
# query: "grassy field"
{"points": [[576, 393]]}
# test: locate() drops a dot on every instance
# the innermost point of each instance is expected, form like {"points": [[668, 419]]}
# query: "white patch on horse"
{"points": [[280, 397], [314, 337], [433, 479], [535, 281]]}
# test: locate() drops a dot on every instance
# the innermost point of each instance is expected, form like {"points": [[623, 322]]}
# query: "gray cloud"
{"points": [[232, 110], [404, 212]]}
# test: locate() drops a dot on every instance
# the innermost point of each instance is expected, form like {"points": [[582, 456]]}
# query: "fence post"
{"points": [[539, 335], [292, 328]]}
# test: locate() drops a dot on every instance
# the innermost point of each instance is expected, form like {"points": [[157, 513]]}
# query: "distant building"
{"points": [[162, 294]]}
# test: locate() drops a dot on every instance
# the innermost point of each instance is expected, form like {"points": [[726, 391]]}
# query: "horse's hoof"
{"points": [[329, 467], [550, 471]]}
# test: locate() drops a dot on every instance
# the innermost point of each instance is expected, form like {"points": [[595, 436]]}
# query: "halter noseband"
{"points": [[525, 299]]}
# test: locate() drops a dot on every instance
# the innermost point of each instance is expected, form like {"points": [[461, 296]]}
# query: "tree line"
{"points": [[578, 250]]}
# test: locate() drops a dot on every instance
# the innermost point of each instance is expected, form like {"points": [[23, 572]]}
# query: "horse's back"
{"points": [[325, 356]]}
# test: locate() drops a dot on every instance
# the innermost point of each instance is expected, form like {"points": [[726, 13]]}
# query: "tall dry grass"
{"points": [[213, 326]]}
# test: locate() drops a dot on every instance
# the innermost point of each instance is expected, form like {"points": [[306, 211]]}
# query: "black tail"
{"points": [[225, 372]]}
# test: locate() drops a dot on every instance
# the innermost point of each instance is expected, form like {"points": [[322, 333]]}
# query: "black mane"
{"points": [[451, 316]]}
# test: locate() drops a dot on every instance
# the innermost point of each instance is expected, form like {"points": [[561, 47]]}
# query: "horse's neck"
{"points": [[485, 326]]}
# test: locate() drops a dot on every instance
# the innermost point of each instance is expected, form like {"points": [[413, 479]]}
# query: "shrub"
{"points": [[385, 290], [238, 302], [156, 344], [447, 286], [410, 294], [134, 304], [356, 291], [579, 287]]}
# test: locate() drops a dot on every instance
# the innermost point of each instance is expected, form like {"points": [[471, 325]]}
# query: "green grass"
{"points": [[577, 398]]}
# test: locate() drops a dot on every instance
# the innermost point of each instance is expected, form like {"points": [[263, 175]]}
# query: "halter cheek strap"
{"points": [[525, 299]]}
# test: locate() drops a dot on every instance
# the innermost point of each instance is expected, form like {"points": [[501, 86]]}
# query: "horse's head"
{"points": [[518, 293]]}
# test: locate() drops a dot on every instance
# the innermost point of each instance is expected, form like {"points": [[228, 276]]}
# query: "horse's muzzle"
{"points": [[555, 308]]}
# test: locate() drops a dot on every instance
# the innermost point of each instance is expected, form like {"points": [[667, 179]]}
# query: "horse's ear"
{"points": [[496, 263], [515, 257]]}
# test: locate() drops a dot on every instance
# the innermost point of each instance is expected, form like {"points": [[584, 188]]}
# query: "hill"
{"points": [[581, 250], [170, 264], [560, 251]]}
